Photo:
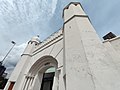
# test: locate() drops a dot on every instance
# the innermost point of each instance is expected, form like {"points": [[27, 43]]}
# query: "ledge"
{"points": [[109, 40]]}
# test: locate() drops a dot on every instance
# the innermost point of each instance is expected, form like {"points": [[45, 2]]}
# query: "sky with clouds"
{"points": [[22, 19]]}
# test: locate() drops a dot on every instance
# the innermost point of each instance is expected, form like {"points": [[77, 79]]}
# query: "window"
{"points": [[11, 85]]}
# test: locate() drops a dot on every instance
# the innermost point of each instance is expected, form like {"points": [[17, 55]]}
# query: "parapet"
{"points": [[72, 9]]}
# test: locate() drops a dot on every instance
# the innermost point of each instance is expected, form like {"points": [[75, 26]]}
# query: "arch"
{"points": [[37, 70]]}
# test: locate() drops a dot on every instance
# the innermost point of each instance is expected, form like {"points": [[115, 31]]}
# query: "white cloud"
{"points": [[24, 19]]}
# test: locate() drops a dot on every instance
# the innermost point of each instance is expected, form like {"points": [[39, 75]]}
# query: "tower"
{"points": [[86, 58], [81, 60], [19, 71]]}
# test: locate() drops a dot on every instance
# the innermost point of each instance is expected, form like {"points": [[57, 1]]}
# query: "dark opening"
{"points": [[110, 35], [47, 81], [11, 85]]}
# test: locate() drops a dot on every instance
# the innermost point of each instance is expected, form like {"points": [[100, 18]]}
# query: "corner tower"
{"points": [[87, 63], [19, 73]]}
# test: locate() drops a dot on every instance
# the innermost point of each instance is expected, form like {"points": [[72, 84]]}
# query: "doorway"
{"points": [[47, 81], [44, 73]]}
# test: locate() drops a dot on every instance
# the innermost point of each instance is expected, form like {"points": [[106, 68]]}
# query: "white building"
{"points": [[81, 60]]}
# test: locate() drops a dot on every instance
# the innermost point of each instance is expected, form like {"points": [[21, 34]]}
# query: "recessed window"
{"points": [[11, 85]]}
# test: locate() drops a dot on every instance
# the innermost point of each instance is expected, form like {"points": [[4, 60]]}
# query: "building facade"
{"points": [[80, 59]]}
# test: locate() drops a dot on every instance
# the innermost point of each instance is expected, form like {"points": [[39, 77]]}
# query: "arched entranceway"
{"points": [[35, 78]]}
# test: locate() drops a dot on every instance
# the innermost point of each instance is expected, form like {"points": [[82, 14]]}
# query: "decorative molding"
{"points": [[50, 40], [27, 55]]}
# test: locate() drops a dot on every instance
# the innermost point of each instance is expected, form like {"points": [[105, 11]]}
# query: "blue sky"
{"points": [[22, 19]]}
